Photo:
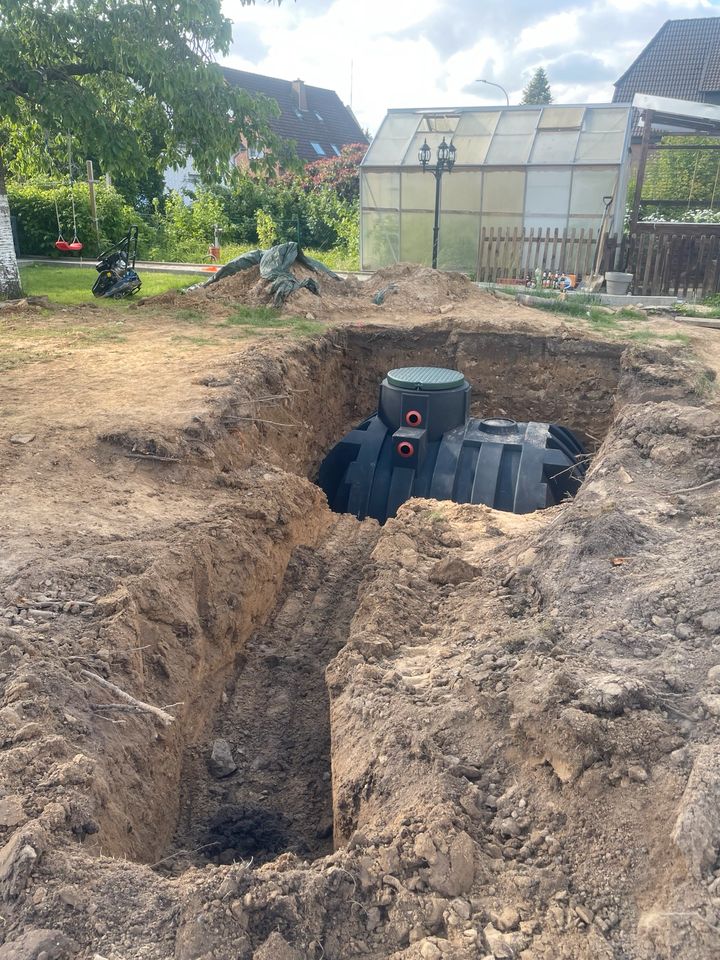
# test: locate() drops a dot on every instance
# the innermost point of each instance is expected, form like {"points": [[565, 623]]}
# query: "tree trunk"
{"points": [[10, 288]]}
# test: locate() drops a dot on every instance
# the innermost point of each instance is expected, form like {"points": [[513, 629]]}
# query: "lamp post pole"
{"points": [[490, 83], [445, 161]]}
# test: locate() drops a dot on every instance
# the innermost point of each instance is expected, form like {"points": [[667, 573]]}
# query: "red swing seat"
{"points": [[63, 245], [75, 245]]}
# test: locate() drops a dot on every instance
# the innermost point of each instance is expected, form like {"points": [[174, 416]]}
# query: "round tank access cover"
{"points": [[425, 378], [496, 425]]}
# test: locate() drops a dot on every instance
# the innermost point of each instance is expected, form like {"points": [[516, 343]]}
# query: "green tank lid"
{"points": [[425, 378]]}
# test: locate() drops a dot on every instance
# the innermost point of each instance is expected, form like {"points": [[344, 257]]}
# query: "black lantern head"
{"points": [[452, 150], [443, 152], [424, 154]]}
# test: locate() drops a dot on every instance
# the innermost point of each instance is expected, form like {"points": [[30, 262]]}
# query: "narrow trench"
{"points": [[274, 717]]}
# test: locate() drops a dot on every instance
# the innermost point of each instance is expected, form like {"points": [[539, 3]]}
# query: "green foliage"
{"points": [[183, 231], [538, 89], [266, 230], [690, 176], [34, 206], [110, 70]]}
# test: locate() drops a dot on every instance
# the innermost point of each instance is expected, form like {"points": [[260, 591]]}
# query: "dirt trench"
{"points": [[275, 718], [202, 603]]}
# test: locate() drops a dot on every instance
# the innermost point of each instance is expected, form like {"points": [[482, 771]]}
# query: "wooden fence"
{"points": [[506, 254], [674, 259]]}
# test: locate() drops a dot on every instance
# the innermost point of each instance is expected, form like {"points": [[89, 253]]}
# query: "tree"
{"points": [[538, 89], [93, 68]]}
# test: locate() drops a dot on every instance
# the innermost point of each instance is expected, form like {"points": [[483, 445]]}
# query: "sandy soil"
{"points": [[515, 749]]}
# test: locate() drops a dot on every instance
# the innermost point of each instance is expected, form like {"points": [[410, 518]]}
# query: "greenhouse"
{"points": [[520, 174]]}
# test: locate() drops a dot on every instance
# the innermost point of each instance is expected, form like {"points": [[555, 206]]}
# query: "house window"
{"points": [[318, 115], [298, 113], [317, 148], [256, 153], [335, 150]]}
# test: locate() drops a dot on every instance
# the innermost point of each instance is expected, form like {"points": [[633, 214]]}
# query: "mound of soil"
{"points": [[407, 286]]}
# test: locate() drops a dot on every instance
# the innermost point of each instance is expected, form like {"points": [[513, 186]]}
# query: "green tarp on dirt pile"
{"points": [[275, 266]]}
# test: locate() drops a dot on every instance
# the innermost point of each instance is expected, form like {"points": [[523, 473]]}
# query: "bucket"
{"points": [[618, 284]]}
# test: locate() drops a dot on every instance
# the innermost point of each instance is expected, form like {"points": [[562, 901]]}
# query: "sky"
{"points": [[379, 54]]}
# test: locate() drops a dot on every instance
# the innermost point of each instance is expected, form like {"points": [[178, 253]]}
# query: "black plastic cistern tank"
{"points": [[422, 442]]}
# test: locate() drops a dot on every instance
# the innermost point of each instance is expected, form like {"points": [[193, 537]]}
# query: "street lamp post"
{"points": [[445, 161], [491, 84]]}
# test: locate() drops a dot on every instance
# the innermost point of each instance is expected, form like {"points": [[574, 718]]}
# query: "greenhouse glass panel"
{"points": [[418, 191], [461, 192], [513, 137], [388, 147], [501, 221], [517, 121], [381, 190], [471, 151], [600, 147], [477, 124], [588, 189], [548, 192], [511, 150], [472, 137], [459, 238], [416, 238], [586, 224], [555, 146], [443, 123], [504, 191], [561, 118], [606, 121], [545, 223], [380, 239]]}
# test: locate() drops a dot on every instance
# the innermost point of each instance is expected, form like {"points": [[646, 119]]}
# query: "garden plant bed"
{"points": [[463, 734]]}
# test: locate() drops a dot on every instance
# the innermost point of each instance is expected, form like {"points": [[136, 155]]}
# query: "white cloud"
{"points": [[430, 52], [559, 30]]}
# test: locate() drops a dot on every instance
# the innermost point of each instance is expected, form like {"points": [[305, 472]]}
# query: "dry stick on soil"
{"points": [[152, 456], [700, 486], [273, 423], [139, 705], [181, 853]]}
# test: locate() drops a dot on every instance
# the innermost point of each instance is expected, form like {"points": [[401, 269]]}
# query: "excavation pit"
{"points": [[253, 613]]}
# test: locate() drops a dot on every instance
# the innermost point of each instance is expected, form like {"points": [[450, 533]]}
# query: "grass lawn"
{"points": [[72, 285]]}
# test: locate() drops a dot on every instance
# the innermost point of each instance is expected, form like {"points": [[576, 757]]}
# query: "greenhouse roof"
{"points": [[558, 134]]}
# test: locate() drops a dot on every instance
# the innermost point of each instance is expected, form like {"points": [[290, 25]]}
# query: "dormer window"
{"points": [[335, 150], [318, 116], [317, 148]]}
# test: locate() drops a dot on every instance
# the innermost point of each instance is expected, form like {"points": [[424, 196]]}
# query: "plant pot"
{"points": [[618, 284]]}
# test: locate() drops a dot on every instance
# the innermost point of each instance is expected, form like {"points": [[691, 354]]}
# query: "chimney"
{"points": [[299, 88]]}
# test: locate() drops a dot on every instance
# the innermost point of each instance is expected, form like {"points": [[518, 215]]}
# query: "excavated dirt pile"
{"points": [[407, 287], [235, 725]]}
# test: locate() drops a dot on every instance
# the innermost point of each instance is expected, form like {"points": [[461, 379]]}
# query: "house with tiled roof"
{"points": [[314, 118], [681, 61]]}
